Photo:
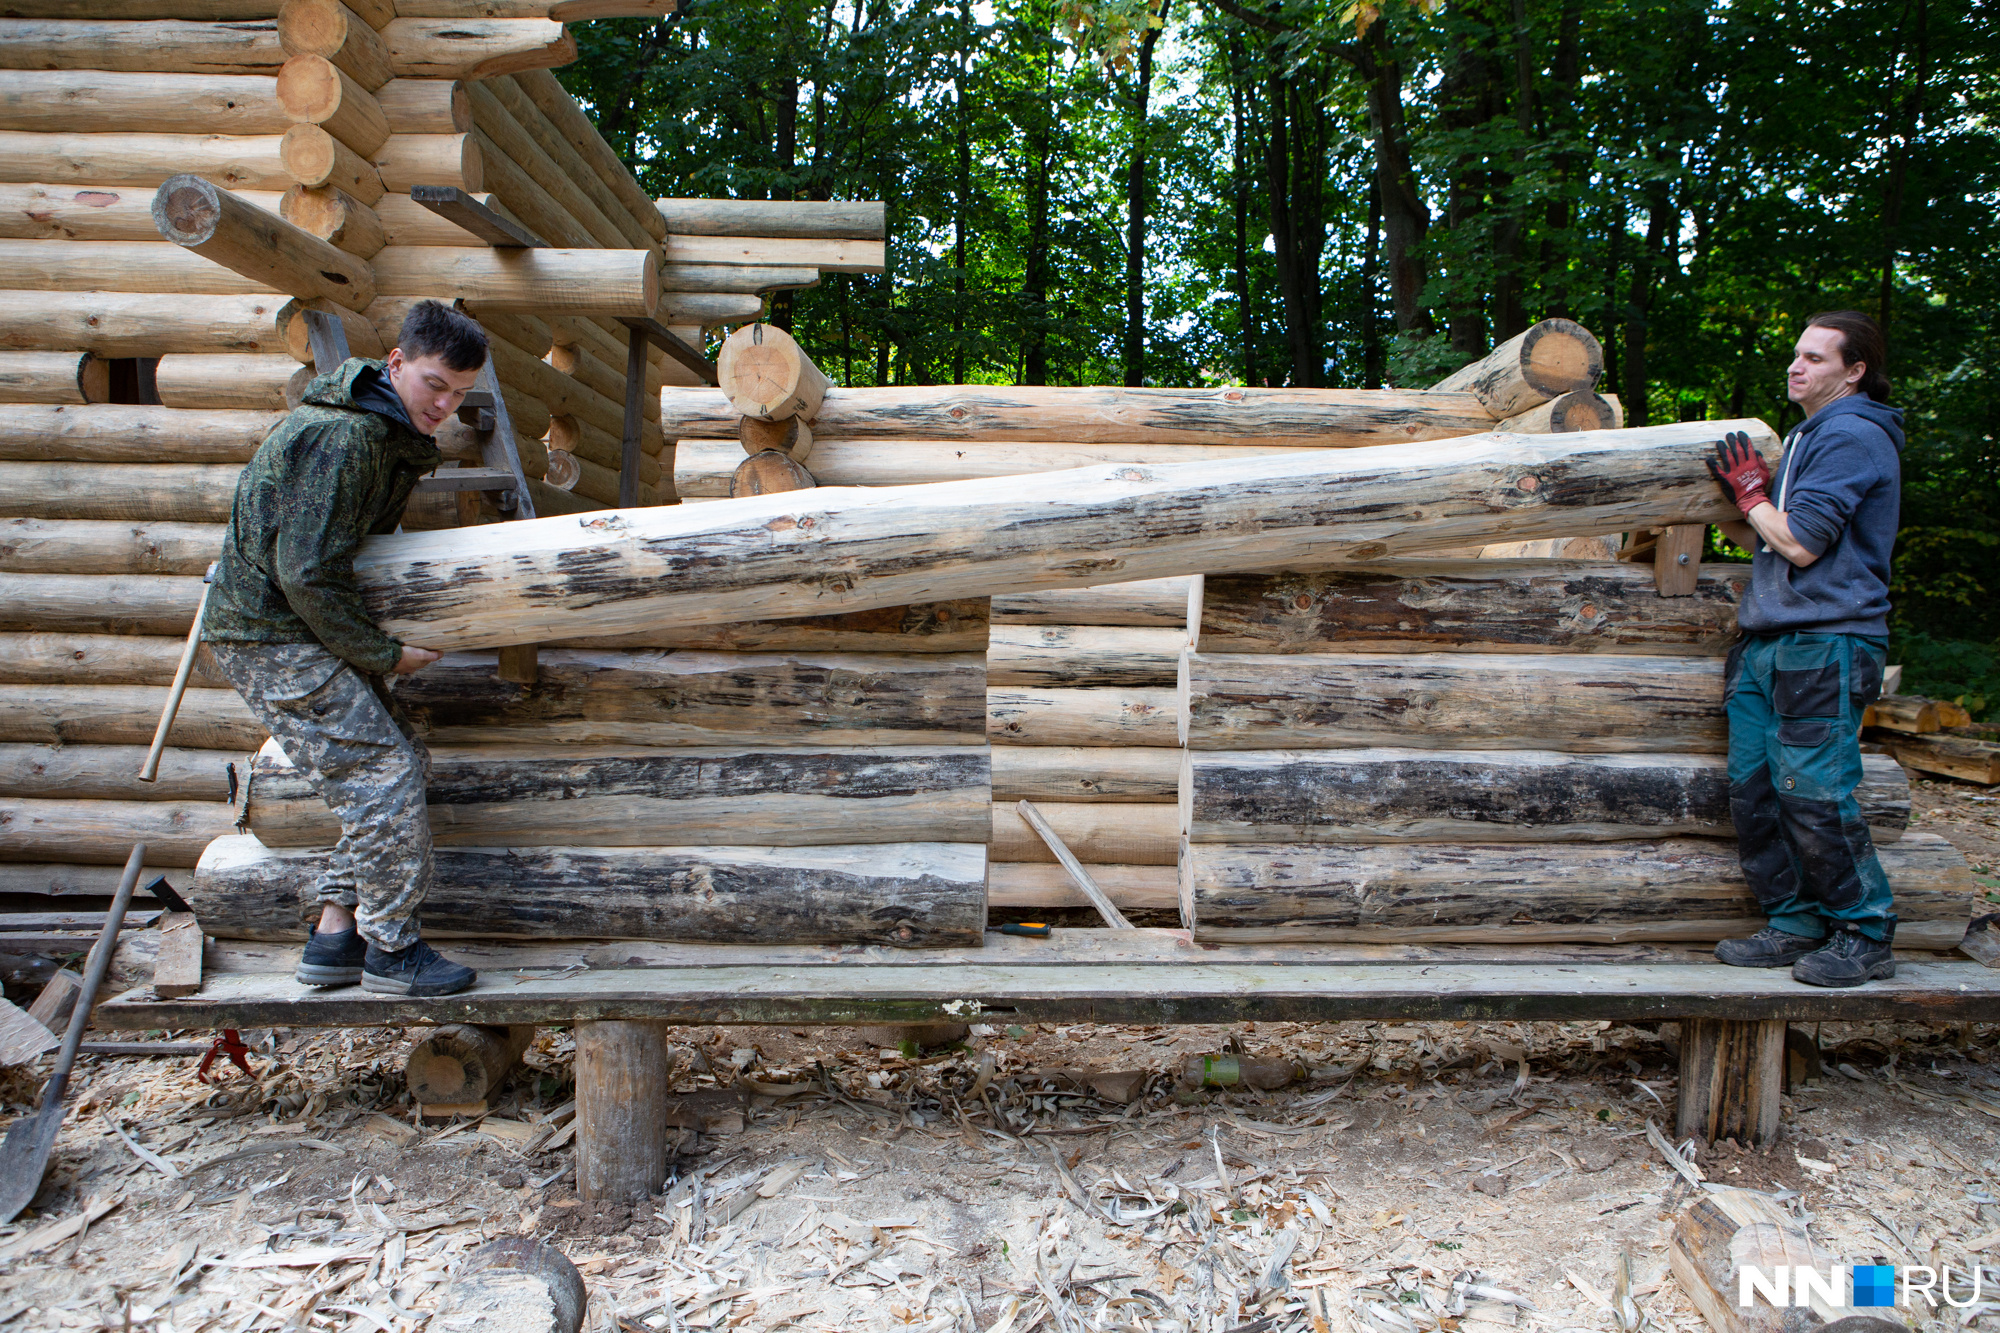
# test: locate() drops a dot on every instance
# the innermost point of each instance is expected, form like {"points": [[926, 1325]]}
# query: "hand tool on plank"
{"points": [[1098, 897], [151, 770], [24, 1156]]}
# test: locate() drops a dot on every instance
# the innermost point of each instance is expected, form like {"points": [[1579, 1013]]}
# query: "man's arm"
{"points": [[1775, 527], [317, 538]]}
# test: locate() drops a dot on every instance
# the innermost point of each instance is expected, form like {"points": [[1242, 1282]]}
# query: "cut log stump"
{"points": [[1731, 1075], [516, 1285], [624, 1072], [464, 1062]]}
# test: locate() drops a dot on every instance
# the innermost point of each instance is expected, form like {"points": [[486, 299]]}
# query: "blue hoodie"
{"points": [[1840, 485]]}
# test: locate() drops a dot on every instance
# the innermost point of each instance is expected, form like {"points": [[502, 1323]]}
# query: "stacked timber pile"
{"points": [[1485, 750], [804, 781], [151, 335], [1081, 682], [1933, 736]]}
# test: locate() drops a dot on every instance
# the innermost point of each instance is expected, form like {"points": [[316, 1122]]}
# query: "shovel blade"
{"points": [[24, 1156]]}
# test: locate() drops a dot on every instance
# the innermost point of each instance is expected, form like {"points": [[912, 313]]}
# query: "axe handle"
{"points": [[151, 770]]}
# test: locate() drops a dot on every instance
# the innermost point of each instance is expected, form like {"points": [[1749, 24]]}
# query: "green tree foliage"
{"points": [[1292, 192]]}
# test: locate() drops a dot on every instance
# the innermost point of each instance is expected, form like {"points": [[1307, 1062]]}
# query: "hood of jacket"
{"points": [[359, 384], [1890, 419]]}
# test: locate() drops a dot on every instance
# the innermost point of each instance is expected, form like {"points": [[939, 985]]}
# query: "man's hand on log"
{"points": [[414, 659], [1742, 472]]}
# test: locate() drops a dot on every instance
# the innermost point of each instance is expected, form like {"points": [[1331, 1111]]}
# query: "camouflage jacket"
{"points": [[338, 468]]}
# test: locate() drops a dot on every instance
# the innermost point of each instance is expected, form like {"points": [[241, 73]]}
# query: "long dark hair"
{"points": [[1860, 340]]}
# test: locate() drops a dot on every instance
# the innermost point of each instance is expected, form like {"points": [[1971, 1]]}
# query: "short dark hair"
{"points": [[1860, 340], [452, 336]]}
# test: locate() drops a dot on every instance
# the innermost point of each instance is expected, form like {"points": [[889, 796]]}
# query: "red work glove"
{"points": [[1742, 472]]}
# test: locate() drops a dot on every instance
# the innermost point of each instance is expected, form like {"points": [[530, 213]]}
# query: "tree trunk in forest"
{"points": [[1909, 115], [963, 200], [1660, 216], [1564, 73], [1240, 181], [1405, 216], [1296, 150], [1371, 333], [1468, 98], [1135, 214], [1510, 314]]}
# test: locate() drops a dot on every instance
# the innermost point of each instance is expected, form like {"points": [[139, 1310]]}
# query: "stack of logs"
{"points": [[138, 374], [1484, 750]]}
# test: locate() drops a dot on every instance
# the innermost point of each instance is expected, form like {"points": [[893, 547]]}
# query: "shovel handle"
{"points": [[93, 976], [151, 769]]}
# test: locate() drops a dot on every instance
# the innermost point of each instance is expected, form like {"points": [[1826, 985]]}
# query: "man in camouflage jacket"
{"points": [[286, 623]]}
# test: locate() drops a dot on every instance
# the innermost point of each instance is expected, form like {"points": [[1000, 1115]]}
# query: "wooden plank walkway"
{"points": [[1153, 976]]}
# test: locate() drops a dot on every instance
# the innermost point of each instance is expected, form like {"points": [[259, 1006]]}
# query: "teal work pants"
{"points": [[1795, 703]]}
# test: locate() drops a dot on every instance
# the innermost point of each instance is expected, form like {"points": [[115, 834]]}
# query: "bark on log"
{"points": [[88, 213], [612, 282], [1019, 715], [910, 895], [475, 48], [99, 161], [116, 433], [119, 324], [765, 374], [104, 659], [702, 466], [1470, 606], [1555, 357], [1905, 712], [177, 492], [1725, 1230], [1077, 655], [1033, 885], [409, 160], [697, 698], [834, 220], [36, 546], [426, 106], [1732, 1075], [1105, 415], [959, 626], [562, 796], [463, 1062], [164, 46], [314, 158], [330, 29], [1074, 774], [85, 603], [1584, 704], [124, 715], [111, 773], [313, 90], [94, 101], [102, 832], [224, 382], [1675, 889], [764, 556], [261, 246], [1967, 758], [119, 266], [1141, 604], [1402, 795], [1134, 834], [553, 100], [1579, 410], [55, 378]]}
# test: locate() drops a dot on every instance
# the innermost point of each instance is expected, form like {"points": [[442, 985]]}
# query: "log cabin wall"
{"points": [[137, 376]]}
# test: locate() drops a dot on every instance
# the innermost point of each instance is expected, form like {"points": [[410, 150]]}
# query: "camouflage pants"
{"points": [[345, 732]]}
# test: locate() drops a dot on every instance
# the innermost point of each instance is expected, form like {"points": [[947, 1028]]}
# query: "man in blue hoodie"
{"points": [[1815, 636]]}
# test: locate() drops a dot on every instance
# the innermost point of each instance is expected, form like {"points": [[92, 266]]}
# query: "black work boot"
{"points": [[331, 958], [1847, 959], [417, 970], [1769, 947]]}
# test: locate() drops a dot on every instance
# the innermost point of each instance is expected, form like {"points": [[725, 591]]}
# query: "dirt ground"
{"points": [[1408, 1178]]}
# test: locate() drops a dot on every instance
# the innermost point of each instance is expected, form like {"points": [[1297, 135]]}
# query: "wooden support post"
{"points": [[518, 663], [462, 1063], [1677, 559], [623, 1077], [635, 392], [1731, 1074]]}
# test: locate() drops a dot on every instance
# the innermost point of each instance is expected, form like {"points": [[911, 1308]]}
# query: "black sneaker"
{"points": [[417, 970], [1848, 959], [1769, 947], [331, 959]]}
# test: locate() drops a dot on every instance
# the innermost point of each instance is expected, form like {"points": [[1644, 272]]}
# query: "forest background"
{"points": [[1283, 192]]}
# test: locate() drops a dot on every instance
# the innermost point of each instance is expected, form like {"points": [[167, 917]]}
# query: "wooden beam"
{"points": [[312, 157], [313, 90], [177, 968], [56, 378], [261, 246], [959, 626], [831, 220], [107, 772], [1032, 715], [474, 49], [1155, 603], [90, 213], [612, 282], [37, 546], [547, 93], [1079, 774], [330, 29], [1097, 833], [426, 106], [164, 46], [828, 256], [624, 1074], [102, 832], [1577, 410], [333, 215], [89, 603], [1072, 656], [635, 385], [1552, 358], [65, 101], [123, 715], [462, 210], [1677, 559], [118, 433], [174, 492], [1018, 534], [675, 346], [406, 161]]}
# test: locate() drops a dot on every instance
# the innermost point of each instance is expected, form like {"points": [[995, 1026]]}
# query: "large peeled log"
{"points": [[765, 374], [1469, 606], [1604, 892], [261, 246], [904, 895], [768, 556], [1555, 357]]}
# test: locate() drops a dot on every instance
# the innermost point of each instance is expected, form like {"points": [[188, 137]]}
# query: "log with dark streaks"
{"points": [[957, 626]]}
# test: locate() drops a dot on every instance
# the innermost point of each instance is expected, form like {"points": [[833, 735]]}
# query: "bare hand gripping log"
{"points": [[836, 549]]}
